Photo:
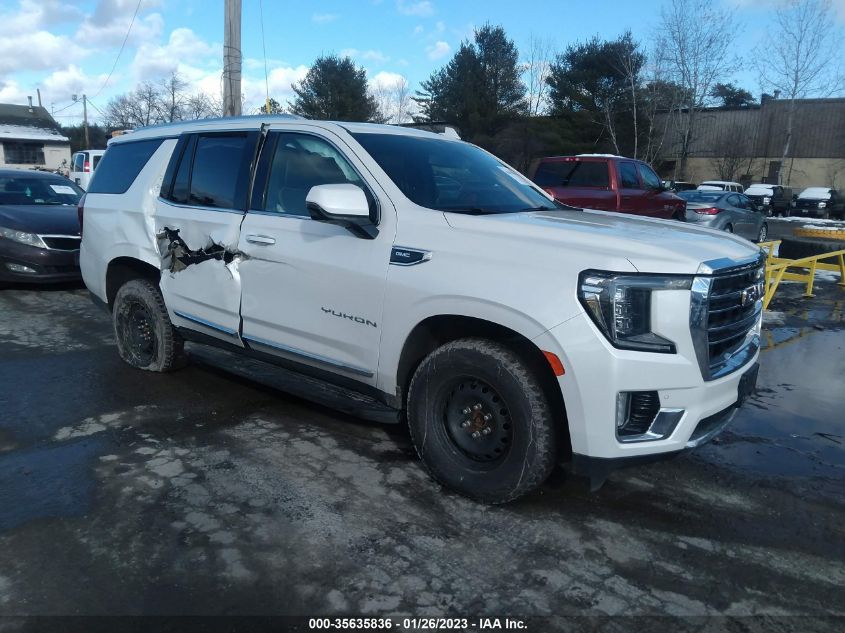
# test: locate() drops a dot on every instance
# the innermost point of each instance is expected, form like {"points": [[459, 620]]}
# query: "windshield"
{"points": [[701, 195], [817, 193], [759, 190], [452, 176], [26, 190]]}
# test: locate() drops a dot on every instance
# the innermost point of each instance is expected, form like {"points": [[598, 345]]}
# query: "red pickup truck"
{"points": [[608, 183]]}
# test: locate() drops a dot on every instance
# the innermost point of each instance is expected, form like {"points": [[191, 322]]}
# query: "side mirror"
{"points": [[345, 205]]}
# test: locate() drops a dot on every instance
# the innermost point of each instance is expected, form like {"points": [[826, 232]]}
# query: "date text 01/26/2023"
{"points": [[416, 624]]}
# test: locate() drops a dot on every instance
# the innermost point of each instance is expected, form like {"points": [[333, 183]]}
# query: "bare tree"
{"points": [[172, 98], [730, 153], [200, 106], [695, 36], [393, 100], [805, 60], [536, 68]]}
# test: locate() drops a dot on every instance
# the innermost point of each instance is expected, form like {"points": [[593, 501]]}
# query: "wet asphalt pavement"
{"points": [[203, 492]]}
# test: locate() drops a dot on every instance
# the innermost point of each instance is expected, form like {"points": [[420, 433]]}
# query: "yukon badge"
{"points": [[351, 317]]}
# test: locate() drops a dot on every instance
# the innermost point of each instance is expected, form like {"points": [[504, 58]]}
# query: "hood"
{"points": [[44, 219], [598, 237]]}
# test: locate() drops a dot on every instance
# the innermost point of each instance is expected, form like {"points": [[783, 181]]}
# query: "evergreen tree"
{"points": [[335, 89]]}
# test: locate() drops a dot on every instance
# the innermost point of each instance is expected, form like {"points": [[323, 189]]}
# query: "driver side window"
{"points": [[300, 162]]}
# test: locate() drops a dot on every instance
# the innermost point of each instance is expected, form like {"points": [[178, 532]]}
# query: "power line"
{"points": [[122, 46]]}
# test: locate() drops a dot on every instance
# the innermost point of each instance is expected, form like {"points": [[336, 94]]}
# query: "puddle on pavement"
{"points": [[794, 425]]}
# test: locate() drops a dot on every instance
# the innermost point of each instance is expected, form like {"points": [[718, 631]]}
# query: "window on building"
{"points": [[24, 153]]}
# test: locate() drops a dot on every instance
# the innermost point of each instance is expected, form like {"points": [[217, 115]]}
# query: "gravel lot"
{"points": [[205, 492]]}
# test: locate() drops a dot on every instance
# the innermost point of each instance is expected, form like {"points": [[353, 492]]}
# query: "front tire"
{"points": [[481, 422], [146, 339], [763, 233]]}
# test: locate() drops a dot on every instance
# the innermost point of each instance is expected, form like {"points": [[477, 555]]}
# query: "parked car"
{"points": [[677, 186], [771, 199], [425, 280], [731, 212], [607, 183], [720, 185], [83, 164], [820, 202], [39, 228]]}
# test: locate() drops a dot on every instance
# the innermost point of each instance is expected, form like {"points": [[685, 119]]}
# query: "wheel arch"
{"points": [[434, 331], [123, 269]]}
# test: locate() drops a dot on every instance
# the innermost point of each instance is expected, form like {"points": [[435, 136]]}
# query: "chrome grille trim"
{"points": [[723, 330]]}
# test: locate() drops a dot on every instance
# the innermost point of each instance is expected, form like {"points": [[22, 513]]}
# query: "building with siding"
{"points": [[31, 138], [746, 144]]}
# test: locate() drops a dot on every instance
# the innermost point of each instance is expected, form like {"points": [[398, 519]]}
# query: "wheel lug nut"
{"points": [[466, 411], [487, 417], [476, 407], [465, 423], [476, 434], [486, 430]]}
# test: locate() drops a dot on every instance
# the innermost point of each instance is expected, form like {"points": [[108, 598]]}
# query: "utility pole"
{"points": [[232, 58], [85, 120]]}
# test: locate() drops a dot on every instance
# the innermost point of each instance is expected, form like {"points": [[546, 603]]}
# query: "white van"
{"points": [[720, 185], [420, 279], [83, 164]]}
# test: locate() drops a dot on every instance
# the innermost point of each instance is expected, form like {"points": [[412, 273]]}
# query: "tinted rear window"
{"points": [[572, 174], [220, 171], [121, 165]]}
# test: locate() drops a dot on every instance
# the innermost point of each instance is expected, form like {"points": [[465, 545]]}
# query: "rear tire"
{"points": [[729, 228], [764, 233], [146, 339], [481, 422]]}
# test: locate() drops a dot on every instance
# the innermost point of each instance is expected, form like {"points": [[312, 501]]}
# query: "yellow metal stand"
{"points": [[776, 269]]}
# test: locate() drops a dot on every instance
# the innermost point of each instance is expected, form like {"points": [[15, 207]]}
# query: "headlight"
{"points": [[766, 200], [22, 237], [620, 306], [822, 205]]}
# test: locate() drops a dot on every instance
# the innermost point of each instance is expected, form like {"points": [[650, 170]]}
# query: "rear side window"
{"points": [[121, 165], [77, 161], [572, 174], [213, 170], [628, 176]]}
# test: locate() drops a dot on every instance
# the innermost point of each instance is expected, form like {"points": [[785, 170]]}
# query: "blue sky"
{"points": [[67, 48]]}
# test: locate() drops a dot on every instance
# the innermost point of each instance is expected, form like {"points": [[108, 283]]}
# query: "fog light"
{"points": [[635, 411], [20, 268]]}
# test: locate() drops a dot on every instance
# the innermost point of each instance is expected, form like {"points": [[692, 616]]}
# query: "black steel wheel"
{"points": [[145, 337], [477, 419], [481, 421]]}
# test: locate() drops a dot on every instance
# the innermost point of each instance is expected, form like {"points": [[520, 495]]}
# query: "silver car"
{"points": [[726, 211]]}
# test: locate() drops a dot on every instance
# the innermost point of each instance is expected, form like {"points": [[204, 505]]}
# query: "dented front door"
{"points": [[198, 222], [313, 292]]}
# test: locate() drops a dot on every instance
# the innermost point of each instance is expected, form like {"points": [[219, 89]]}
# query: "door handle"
{"points": [[263, 240]]}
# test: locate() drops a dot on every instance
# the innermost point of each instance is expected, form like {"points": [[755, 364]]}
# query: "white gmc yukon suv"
{"points": [[407, 276]]}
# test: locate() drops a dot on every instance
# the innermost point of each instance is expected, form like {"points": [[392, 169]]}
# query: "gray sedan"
{"points": [[726, 211]]}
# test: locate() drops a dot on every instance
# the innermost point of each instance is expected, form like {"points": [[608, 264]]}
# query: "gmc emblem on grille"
{"points": [[750, 294]]}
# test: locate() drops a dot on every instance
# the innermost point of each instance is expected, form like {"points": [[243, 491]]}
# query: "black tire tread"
{"points": [[171, 355], [544, 438]]}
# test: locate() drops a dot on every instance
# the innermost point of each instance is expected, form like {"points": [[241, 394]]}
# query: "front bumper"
{"points": [[595, 372], [49, 265]]}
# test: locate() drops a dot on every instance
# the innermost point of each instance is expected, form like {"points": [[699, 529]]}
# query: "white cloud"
{"points": [[36, 51], [323, 18], [33, 15], [422, 8], [369, 55], [61, 85], [10, 92], [438, 49], [184, 47], [387, 80], [110, 22]]}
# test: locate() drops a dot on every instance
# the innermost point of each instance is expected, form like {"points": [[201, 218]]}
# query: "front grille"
{"points": [[726, 307], [62, 243]]}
